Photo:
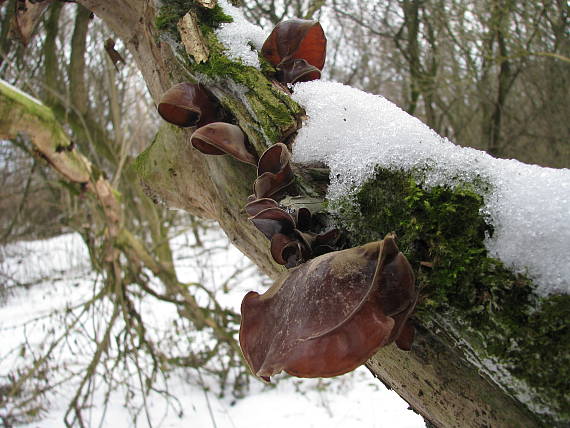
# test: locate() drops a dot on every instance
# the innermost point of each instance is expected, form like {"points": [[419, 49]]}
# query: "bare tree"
{"points": [[465, 69], [458, 320], [71, 161]]}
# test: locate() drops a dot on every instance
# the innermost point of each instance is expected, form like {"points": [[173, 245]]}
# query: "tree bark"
{"points": [[444, 377]]}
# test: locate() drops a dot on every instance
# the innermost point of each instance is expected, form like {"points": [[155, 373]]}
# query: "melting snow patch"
{"points": [[19, 91], [528, 206], [238, 35]]}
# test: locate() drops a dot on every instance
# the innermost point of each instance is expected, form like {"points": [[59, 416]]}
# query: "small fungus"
{"points": [[187, 104], [292, 40], [273, 220], [329, 315], [296, 39], [220, 138], [292, 241], [323, 242], [274, 172], [297, 70], [286, 250], [258, 205], [303, 218]]}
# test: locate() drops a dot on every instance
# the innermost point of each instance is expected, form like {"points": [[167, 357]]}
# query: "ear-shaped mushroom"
{"points": [[187, 104], [328, 238], [297, 70], [324, 242], [292, 242], [274, 159], [273, 171], [329, 315], [303, 218], [257, 205], [273, 220], [286, 250], [296, 39], [220, 138]]}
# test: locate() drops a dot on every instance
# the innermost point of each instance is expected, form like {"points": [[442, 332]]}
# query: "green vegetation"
{"points": [[172, 10], [276, 113], [442, 233]]}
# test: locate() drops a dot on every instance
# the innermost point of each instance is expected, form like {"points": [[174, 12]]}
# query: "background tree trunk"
{"points": [[445, 377]]}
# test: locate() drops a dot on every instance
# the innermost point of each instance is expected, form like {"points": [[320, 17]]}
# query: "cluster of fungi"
{"points": [[333, 309]]}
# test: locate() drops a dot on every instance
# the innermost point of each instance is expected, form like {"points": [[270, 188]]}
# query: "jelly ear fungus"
{"points": [[297, 48], [187, 104], [292, 241], [296, 38], [329, 315], [297, 70], [220, 138], [274, 174]]}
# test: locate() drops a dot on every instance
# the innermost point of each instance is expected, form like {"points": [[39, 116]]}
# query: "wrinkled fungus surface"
{"points": [[330, 314]]}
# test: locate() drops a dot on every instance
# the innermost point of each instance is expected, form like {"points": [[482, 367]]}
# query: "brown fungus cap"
{"points": [[187, 104], [303, 218], [274, 172], [220, 138], [257, 205], [285, 250], [297, 70], [329, 315], [274, 159], [292, 242], [273, 220], [296, 39]]}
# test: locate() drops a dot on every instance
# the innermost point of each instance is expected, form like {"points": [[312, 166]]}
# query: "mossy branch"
{"points": [[470, 303], [519, 340], [20, 114]]}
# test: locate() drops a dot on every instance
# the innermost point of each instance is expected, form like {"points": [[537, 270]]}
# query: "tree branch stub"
{"points": [[192, 38]]}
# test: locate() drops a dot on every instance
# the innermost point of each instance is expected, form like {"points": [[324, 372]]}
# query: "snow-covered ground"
{"points": [[58, 274]]}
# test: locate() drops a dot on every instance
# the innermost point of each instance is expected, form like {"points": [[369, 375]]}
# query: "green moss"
{"points": [[141, 162], [442, 233], [212, 18], [31, 107], [170, 13], [275, 113]]}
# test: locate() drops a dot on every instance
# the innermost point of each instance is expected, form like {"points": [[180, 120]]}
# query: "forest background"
{"points": [[491, 74]]}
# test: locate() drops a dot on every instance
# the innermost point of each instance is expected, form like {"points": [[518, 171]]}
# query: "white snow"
{"points": [[59, 267], [239, 35], [529, 206], [19, 91]]}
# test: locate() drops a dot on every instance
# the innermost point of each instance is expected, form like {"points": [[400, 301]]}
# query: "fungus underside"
{"points": [[494, 309]]}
